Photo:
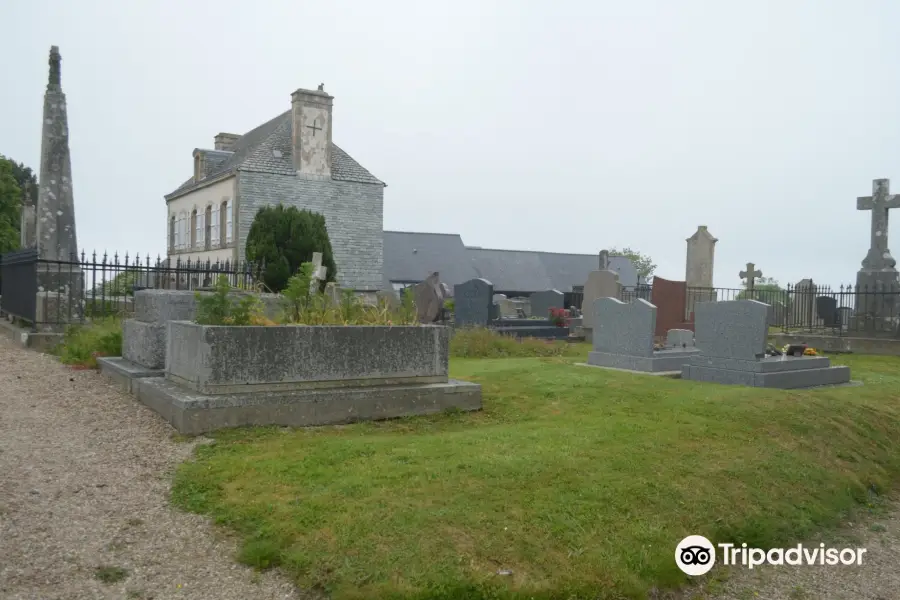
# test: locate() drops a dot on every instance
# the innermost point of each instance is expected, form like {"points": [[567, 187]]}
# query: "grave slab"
{"points": [[731, 337], [192, 413], [623, 338], [123, 372]]}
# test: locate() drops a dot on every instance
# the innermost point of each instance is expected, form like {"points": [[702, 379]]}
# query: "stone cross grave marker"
{"points": [[319, 273], [881, 200], [751, 275]]}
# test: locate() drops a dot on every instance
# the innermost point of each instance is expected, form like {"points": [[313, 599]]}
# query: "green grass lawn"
{"points": [[579, 481]]}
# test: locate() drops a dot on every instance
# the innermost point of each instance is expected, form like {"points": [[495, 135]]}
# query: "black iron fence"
{"points": [[844, 311], [57, 292]]}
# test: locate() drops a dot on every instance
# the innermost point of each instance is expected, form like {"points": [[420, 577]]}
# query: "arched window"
{"points": [[194, 229], [172, 233]]}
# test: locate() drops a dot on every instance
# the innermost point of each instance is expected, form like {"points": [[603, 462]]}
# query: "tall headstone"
{"points": [[599, 284], [60, 286], [542, 302], [472, 302], [803, 304], [877, 281], [698, 274]]}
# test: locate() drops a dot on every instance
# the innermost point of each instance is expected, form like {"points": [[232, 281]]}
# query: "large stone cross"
{"points": [[751, 274], [881, 200], [319, 273]]}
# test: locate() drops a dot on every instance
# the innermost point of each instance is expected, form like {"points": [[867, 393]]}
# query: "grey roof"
{"points": [[411, 257], [509, 270], [268, 149]]}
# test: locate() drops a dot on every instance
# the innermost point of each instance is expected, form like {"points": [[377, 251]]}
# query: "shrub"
{"points": [[284, 238], [83, 344], [301, 307], [480, 342], [220, 308]]}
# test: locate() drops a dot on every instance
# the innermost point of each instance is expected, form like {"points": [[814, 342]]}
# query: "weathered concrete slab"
{"points": [[124, 372], [223, 360], [144, 343], [192, 413], [796, 379]]}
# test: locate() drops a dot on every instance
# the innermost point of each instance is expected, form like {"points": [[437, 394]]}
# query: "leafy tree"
{"points": [[284, 238], [25, 175], [10, 205], [643, 263]]}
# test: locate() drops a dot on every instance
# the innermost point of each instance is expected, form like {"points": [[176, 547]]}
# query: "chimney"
{"points": [[226, 141], [311, 131]]}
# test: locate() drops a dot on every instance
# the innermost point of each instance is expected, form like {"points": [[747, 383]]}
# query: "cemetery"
{"points": [[354, 451]]}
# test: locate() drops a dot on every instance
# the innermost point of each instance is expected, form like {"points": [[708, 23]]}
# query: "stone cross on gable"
{"points": [[751, 274], [319, 272], [881, 200]]}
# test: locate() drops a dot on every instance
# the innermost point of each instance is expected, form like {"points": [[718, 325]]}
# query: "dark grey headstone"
{"points": [[621, 328], [472, 302], [542, 302], [826, 307], [732, 329]]}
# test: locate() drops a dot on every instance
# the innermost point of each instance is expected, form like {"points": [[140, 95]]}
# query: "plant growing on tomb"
{"points": [[220, 308]]}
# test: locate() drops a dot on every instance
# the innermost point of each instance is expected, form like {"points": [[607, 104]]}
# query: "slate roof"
{"points": [[267, 149], [509, 270]]}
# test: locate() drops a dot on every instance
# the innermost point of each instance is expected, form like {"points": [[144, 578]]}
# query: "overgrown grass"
{"points": [[83, 344], [579, 481], [480, 342]]}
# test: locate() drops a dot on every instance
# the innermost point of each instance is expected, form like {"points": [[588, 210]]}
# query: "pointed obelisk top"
{"points": [[55, 59]]}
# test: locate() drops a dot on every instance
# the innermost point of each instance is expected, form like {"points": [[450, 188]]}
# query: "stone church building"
{"points": [[292, 160]]}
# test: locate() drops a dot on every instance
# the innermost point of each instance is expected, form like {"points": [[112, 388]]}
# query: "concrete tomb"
{"points": [[144, 337], [623, 338], [732, 340], [212, 377]]}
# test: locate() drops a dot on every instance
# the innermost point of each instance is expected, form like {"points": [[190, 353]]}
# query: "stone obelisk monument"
{"points": [[60, 281]]}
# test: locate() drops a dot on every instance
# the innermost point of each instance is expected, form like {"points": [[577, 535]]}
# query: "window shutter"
{"points": [[214, 226], [228, 224], [201, 228]]}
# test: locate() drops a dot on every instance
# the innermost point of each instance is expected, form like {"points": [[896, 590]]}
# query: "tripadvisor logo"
{"points": [[695, 555]]}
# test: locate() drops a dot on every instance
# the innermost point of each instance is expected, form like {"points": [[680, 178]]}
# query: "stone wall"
{"points": [[353, 214]]}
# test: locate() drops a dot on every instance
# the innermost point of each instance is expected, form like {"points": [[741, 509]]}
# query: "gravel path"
{"points": [[84, 480], [877, 578]]}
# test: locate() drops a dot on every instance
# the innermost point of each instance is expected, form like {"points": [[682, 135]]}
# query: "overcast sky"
{"points": [[569, 126]]}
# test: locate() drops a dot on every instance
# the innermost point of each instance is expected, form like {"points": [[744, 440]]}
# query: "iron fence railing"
{"points": [[56, 292]]}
